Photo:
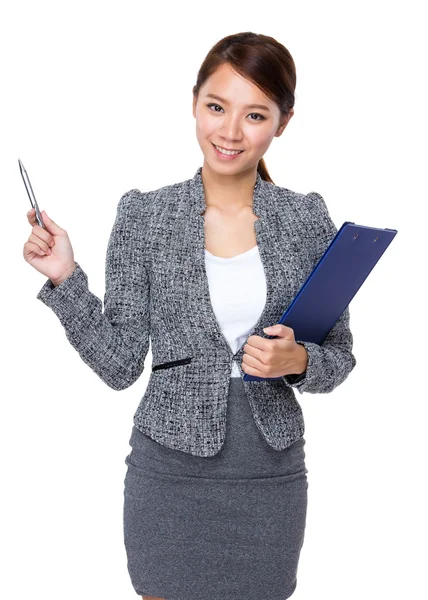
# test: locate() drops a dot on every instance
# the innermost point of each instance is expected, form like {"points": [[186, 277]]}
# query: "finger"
{"points": [[41, 243], [253, 361], [39, 231], [43, 234], [252, 350], [252, 369], [52, 227], [33, 248], [280, 330], [258, 342], [31, 216]]}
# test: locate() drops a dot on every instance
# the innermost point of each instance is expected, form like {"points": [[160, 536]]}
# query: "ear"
{"points": [[194, 105], [284, 122]]}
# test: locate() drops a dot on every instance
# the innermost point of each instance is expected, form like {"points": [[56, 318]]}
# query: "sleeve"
{"points": [[330, 363], [115, 343]]}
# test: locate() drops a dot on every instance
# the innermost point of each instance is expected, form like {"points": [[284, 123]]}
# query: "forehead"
{"points": [[229, 84]]}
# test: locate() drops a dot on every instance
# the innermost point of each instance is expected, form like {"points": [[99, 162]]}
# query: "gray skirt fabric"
{"points": [[224, 527]]}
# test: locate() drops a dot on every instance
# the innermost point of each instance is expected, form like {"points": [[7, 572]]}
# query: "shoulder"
{"points": [[151, 211], [132, 200], [308, 206], [302, 202], [135, 198], [309, 199], [307, 210]]}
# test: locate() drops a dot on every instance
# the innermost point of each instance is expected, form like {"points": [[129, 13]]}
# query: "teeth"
{"points": [[229, 152]]}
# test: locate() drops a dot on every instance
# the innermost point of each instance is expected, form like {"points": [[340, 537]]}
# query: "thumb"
{"points": [[51, 226], [275, 329]]}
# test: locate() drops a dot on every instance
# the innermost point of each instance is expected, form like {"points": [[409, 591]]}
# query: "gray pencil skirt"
{"points": [[224, 527]]}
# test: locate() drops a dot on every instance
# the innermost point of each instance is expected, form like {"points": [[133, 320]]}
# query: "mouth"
{"points": [[235, 151]]}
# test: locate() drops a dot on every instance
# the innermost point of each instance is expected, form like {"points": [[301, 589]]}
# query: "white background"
{"points": [[97, 100]]}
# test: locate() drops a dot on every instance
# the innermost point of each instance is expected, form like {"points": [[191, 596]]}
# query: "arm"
{"points": [[328, 364], [114, 343]]}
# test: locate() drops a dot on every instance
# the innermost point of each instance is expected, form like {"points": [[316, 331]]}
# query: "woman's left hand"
{"points": [[274, 358]]}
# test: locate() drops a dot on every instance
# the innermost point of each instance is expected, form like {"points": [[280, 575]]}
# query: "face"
{"points": [[233, 123]]}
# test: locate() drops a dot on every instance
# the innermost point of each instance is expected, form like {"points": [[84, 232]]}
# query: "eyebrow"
{"points": [[262, 106]]}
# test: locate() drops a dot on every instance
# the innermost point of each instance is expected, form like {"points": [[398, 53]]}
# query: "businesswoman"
{"points": [[215, 493]]}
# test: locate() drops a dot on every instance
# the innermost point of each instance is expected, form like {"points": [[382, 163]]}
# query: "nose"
{"points": [[231, 131]]}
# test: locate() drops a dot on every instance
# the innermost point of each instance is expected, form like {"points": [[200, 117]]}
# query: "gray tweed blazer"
{"points": [[157, 288]]}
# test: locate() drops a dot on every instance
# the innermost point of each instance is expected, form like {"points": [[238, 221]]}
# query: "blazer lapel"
{"points": [[270, 254]]}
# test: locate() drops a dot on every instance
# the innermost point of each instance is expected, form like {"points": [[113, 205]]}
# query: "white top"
{"points": [[238, 294]]}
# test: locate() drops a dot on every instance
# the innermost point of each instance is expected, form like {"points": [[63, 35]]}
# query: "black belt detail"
{"points": [[172, 363]]}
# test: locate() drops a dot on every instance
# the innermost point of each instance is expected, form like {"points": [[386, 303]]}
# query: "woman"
{"points": [[216, 487]]}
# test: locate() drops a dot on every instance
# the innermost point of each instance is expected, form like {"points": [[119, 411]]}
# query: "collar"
{"points": [[261, 194]]}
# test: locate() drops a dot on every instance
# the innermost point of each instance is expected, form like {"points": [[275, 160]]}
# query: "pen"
{"points": [[30, 193]]}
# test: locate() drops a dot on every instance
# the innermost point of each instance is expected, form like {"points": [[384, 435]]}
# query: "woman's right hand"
{"points": [[49, 250]]}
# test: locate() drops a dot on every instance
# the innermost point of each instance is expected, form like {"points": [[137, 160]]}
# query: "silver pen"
{"points": [[30, 193]]}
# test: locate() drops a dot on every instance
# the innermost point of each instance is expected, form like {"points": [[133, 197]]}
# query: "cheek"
{"points": [[258, 141], [204, 125]]}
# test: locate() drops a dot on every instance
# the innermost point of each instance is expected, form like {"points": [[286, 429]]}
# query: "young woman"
{"points": [[216, 486]]}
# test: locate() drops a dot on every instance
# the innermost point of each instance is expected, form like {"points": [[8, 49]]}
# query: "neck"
{"points": [[228, 191]]}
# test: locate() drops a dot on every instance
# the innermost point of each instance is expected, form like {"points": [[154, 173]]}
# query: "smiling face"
{"points": [[233, 113]]}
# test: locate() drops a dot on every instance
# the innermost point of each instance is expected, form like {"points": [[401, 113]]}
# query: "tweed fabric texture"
{"points": [[157, 292]]}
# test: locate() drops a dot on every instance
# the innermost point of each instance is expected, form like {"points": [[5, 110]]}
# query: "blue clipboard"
{"points": [[334, 281]]}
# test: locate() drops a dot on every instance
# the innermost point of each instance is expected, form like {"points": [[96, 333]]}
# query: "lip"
{"points": [[226, 156], [228, 149]]}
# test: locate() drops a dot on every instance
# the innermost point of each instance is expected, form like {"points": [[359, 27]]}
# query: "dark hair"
{"points": [[262, 60]]}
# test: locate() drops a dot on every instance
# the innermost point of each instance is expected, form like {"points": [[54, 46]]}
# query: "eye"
{"points": [[262, 118]]}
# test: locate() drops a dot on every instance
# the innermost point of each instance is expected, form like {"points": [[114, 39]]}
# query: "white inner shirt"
{"points": [[238, 295]]}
